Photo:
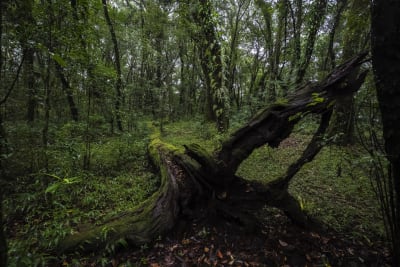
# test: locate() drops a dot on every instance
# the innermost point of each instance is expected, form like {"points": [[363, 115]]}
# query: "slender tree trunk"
{"points": [[233, 53], [30, 84], [275, 59], [386, 64], [318, 11], [25, 29], [3, 240], [68, 91], [297, 31], [330, 61], [117, 64], [47, 87]]}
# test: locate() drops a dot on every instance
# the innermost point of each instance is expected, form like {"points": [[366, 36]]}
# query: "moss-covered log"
{"points": [[195, 180], [147, 221]]}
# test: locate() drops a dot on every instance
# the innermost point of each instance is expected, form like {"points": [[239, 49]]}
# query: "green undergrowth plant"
{"points": [[336, 189], [44, 206]]}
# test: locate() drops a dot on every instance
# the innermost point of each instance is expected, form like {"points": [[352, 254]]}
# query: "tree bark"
{"points": [[385, 45], [195, 182]]}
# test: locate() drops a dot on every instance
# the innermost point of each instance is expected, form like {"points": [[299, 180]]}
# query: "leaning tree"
{"points": [[195, 182]]}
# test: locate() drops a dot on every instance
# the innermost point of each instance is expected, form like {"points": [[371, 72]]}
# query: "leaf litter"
{"points": [[277, 243]]}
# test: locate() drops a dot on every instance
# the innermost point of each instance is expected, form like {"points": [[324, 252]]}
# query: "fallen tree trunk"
{"points": [[195, 182]]}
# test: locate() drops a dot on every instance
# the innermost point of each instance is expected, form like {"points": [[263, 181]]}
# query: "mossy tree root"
{"points": [[147, 221]]}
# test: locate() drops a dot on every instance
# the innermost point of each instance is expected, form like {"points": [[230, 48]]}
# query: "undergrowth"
{"points": [[44, 205]]}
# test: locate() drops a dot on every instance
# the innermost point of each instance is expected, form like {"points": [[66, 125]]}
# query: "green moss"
{"points": [[140, 224]]}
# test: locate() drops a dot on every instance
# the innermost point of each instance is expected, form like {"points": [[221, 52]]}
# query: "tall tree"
{"points": [[330, 59], [210, 54], [25, 29], [317, 12], [354, 38], [236, 15], [273, 46], [3, 241], [385, 42], [117, 64]]}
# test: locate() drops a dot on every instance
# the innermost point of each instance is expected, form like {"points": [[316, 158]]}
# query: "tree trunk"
{"points": [[197, 183], [211, 65], [117, 63], [26, 22], [385, 45], [3, 150], [343, 120], [3, 241], [318, 11], [68, 91]]}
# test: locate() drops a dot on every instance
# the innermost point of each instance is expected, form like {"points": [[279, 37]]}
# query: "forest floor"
{"points": [[278, 243], [43, 207]]}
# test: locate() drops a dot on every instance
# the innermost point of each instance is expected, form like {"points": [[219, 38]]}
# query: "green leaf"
{"points": [[52, 188], [71, 180], [57, 58]]}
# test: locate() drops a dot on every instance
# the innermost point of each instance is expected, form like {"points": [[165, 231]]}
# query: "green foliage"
{"points": [[42, 207], [342, 182], [60, 182]]}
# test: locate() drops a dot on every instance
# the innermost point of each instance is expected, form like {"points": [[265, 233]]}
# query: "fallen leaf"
{"points": [[351, 251], [325, 240], [219, 254], [282, 243], [206, 249], [155, 265], [173, 247], [315, 235]]}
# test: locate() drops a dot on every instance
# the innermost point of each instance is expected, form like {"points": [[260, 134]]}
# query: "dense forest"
{"points": [[199, 133]]}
